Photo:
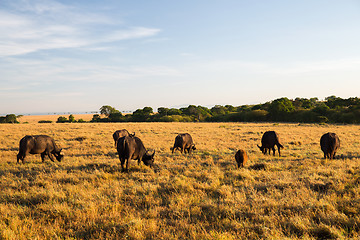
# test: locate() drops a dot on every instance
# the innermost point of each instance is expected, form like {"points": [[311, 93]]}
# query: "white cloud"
{"points": [[136, 32], [31, 26], [37, 6]]}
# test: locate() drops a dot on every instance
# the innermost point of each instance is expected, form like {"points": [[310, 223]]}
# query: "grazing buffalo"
{"points": [[39, 144], [241, 158], [121, 133], [131, 147], [268, 142], [183, 142], [329, 143]]}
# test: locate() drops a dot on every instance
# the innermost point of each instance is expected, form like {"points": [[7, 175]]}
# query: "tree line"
{"points": [[331, 110]]}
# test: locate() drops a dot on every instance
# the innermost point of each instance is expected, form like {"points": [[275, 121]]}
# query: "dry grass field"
{"points": [[199, 196], [37, 118]]}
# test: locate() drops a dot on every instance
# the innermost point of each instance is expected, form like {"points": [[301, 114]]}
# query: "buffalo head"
{"points": [[262, 149], [58, 155], [148, 159]]}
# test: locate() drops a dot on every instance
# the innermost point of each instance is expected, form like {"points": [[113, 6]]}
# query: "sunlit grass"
{"points": [[198, 196]]}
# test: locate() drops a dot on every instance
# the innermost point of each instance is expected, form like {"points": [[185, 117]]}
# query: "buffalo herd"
{"points": [[131, 147]]}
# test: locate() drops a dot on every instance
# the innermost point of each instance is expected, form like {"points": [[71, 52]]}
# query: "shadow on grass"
{"points": [[258, 166], [10, 149], [26, 200], [91, 167], [111, 168], [348, 155]]}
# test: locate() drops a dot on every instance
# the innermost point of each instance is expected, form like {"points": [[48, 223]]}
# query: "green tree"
{"points": [[107, 110], [62, 119], [115, 117], [199, 113], [162, 111], [230, 108], [148, 111], [71, 118], [96, 118], [321, 109], [218, 110], [280, 109], [11, 118], [174, 111]]}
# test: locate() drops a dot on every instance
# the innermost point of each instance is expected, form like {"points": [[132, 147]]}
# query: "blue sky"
{"points": [[71, 56]]}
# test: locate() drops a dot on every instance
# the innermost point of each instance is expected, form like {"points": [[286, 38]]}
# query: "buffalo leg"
{"points": [[273, 149], [43, 157], [50, 156], [265, 151], [279, 151], [122, 161], [21, 157], [127, 165], [18, 157]]}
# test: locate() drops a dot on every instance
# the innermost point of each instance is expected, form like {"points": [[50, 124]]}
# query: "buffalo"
{"points": [[39, 144], [131, 147], [241, 158], [329, 143], [268, 142], [183, 142], [121, 133]]}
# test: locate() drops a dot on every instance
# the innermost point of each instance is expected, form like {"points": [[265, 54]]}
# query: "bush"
{"points": [[116, 117], [62, 120], [71, 118], [45, 121], [256, 116], [96, 118], [10, 118]]}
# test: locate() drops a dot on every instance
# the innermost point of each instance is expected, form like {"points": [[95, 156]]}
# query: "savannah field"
{"points": [[198, 196]]}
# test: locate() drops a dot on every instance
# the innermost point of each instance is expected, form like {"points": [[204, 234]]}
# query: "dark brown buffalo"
{"points": [[131, 147], [39, 144], [268, 142], [121, 133], [241, 158], [329, 143], [183, 142]]}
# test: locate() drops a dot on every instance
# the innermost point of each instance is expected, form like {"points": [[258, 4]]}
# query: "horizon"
{"points": [[154, 110], [65, 56]]}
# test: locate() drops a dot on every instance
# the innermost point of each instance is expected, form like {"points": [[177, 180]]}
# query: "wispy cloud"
{"points": [[30, 26]]}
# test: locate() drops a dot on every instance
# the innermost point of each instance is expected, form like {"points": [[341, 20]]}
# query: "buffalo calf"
{"points": [[329, 143], [268, 142], [39, 144], [241, 158], [121, 133], [183, 142]]}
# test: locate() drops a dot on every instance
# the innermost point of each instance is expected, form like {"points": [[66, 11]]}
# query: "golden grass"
{"points": [[199, 196], [37, 118]]}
